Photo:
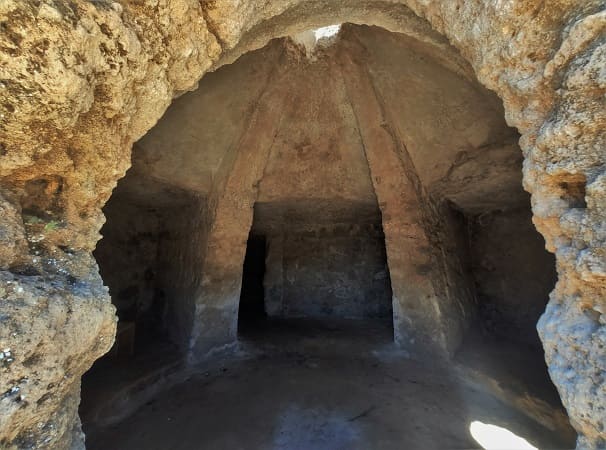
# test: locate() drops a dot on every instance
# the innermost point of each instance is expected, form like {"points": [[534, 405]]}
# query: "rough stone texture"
{"points": [[402, 205], [81, 81], [324, 270], [317, 160], [75, 83], [180, 265], [127, 256], [151, 254], [513, 274], [51, 337], [315, 164], [316, 171]]}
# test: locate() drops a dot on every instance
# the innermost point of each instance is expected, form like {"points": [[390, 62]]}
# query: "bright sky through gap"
{"points": [[328, 31], [493, 437]]}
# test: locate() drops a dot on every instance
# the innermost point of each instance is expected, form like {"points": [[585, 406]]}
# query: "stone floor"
{"points": [[302, 385]]}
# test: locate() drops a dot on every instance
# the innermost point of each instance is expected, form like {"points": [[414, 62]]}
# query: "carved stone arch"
{"points": [[83, 80]]}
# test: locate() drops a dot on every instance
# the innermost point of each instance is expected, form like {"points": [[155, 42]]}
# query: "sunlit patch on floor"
{"points": [[493, 437]]}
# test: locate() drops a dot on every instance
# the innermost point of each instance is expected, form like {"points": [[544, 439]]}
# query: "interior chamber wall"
{"points": [[322, 268], [151, 257], [468, 265], [464, 225]]}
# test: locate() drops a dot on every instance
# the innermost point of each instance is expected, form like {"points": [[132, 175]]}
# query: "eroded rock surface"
{"points": [[81, 81]]}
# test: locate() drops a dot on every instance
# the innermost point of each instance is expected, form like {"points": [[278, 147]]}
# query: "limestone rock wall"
{"points": [[127, 256], [180, 263], [513, 273], [81, 81], [75, 83], [302, 153], [329, 271], [314, 171], [151, 256]]}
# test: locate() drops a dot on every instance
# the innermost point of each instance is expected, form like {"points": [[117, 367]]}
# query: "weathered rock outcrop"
{"points": [[81, 81]]}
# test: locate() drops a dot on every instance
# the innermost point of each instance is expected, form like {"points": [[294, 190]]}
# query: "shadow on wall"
{"points": [[150, 258], [303, 265], [252, 305], [513, 274]]}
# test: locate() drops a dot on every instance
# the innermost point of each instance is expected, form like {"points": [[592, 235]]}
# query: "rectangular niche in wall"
{"points": [[316, 265]]}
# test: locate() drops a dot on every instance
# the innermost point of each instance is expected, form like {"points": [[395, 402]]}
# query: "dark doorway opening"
{"points": [[252, 300]]}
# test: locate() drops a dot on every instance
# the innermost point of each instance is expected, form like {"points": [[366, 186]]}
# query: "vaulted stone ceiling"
{"points": [[452, 127], [82, 81], [367, 121]]}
